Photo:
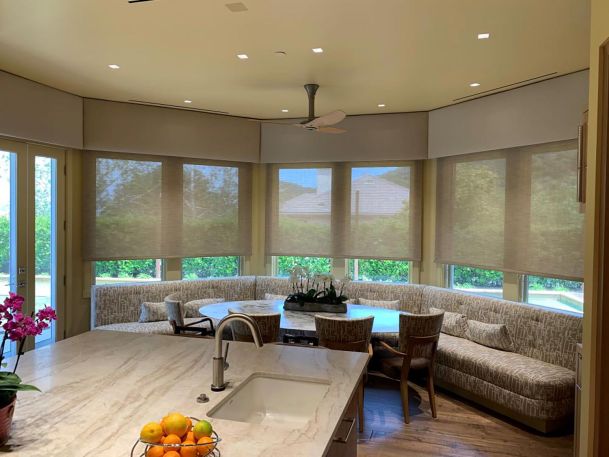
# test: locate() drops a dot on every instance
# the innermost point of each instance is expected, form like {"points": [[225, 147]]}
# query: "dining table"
{"points": [[302, 322]]}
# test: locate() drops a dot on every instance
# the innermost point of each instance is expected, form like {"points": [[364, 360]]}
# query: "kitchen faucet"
{"points": [[219, 366]]}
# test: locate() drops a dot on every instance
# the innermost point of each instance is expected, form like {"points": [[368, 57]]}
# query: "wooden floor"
{"points": [[461, 429]]}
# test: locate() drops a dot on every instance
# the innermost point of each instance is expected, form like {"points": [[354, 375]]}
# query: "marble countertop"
{"points": [[101, 387], [385, 320]]}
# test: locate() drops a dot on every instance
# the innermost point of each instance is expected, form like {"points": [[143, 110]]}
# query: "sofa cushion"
{"points": [[387, 304], [538, 333], [491, 335], [153, 312], [511, 371], [161, 328], [454, 324], [191, 308]]}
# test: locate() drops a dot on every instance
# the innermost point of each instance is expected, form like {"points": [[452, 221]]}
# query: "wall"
{"points": [[39, 113], [401, 136], [599, 33], [128, 127], [538, 113]]}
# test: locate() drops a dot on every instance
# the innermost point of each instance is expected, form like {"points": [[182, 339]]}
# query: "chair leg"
{"points": [[360, 406], [432, 393], [404, 390]]}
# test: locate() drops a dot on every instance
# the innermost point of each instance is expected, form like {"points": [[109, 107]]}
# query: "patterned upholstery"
{"points": [[536, 333], [419, 325], [160, 328], [267, 323], [334, 332], [514, 372], [116, 303], [507, 400]]}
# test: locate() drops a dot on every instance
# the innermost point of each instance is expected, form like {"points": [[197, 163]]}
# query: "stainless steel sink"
{"points": [[280, 399]]}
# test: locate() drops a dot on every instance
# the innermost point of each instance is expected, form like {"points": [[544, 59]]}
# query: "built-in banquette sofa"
{"points": [[532, 381]]}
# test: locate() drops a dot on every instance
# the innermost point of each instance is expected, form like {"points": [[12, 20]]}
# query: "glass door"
{"points": [[32, 231], [46, 235], [13, 244]]}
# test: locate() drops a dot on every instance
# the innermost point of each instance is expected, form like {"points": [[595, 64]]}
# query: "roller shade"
{"points": [[138, 206], [345, 210], [513, 210]]}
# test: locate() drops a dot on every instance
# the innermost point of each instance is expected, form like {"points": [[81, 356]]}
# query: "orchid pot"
{"points": [[16, 327]]}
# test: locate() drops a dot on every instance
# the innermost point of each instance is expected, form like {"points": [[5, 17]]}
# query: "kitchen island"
{"points": [[101, 387]]}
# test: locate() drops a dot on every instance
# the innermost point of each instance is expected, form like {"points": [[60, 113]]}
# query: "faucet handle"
{"points": [[226, 365]]}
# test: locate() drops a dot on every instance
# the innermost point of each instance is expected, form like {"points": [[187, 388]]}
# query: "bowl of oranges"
{"points": [[177, 435]]}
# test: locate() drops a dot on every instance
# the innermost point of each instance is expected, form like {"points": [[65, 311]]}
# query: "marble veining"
{"points": [[100, 388], [385, 320]]}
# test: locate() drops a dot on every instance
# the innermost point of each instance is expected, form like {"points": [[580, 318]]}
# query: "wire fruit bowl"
{"points": [[140, 447]]}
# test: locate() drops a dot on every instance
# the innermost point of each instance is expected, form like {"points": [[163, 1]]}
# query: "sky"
{"points": [[308, 177]]}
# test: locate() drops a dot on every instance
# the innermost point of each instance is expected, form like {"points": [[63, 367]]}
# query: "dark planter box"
{"points": [[315, 307]]}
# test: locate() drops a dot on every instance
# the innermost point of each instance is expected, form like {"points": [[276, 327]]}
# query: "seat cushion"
{"points": [[511, 371], [161, 328]]}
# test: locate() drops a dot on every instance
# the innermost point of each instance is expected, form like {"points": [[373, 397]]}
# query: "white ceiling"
{"points": [[409, 54]]}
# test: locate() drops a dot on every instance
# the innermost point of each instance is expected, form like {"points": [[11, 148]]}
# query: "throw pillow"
{"points": [[491, 335], [268, 296], [153, 312], [388, 304], [454, 324], [191, 308]]}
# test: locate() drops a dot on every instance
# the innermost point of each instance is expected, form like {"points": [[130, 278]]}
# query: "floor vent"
{"points": [[524, 82]]}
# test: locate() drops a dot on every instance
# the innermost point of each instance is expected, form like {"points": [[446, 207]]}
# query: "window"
{"points": [[512, 210], [210, 267], [138, 206], [488, 283], [378, 270], [300, 223], [316, 265], [118, 271], [555, 293], [345, 211]]}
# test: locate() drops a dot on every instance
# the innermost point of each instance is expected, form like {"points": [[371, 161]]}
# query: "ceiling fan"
{"points": [[317, 124]]}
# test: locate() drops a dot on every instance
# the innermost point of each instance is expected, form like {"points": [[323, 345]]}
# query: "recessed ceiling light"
{"points": [[474, 84], [188, 101], [484, 36], [284, 110], [317, 50], [243, 56], [381, 105], [281, 53], [114, 66]]}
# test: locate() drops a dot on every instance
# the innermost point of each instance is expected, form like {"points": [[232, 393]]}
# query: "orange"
{"points": [[206, 448], [152, 432], [172, 454], [163, 439], [189, 421], [175, 424], [172, 439], [155, 451], [190, 436], [188, 451]]}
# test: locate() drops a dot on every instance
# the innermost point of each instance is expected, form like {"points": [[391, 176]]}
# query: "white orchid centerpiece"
{"points": [[316, 288]]}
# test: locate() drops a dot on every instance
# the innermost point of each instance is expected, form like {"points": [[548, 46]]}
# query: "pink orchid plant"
{"points": [[17, 327]]}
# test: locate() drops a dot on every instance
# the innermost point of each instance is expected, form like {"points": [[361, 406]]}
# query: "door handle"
{"points": [[341, 439]]}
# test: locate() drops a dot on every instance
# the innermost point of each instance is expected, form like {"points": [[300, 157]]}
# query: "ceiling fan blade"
{"points": [[330, 130], [328, 119]]}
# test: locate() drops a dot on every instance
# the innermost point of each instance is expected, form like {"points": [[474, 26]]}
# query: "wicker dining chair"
{"points": [[418, 343], [347, 335], [267, 323], [175, 315]]}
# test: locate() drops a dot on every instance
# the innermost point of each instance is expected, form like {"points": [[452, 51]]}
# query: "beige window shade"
{"points": [[164, 207], [513, 210], [346, 210]]}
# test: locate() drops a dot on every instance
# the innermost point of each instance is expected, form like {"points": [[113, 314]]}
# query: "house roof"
{"points": [[371, 196]]}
